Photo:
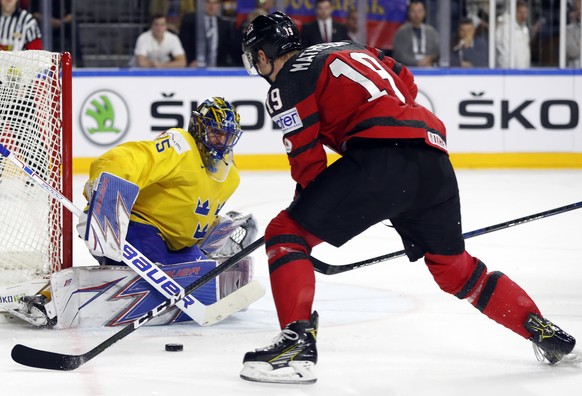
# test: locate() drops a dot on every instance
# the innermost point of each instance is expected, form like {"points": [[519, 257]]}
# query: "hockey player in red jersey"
{"points": [[394, 165]]}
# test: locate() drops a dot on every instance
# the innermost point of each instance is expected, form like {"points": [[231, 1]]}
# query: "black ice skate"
{"points": [[550, 342], [289, 360]]}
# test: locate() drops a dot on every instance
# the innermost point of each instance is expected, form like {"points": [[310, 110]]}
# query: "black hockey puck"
{"points": [[174, 347]]}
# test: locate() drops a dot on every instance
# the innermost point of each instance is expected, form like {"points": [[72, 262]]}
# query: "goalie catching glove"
{"points": [[229, 235], [104, 226]]}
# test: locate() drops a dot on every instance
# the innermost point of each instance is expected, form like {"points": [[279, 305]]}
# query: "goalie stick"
{"points": [[328, 269], [57, 361], [149, 271]]}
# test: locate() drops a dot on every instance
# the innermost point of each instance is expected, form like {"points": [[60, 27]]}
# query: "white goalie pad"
{"points": [[236, 277], [99, 296], [115, 295]]}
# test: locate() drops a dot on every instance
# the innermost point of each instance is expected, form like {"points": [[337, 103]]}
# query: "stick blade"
{"points": [[43, 359], [234, 302]]}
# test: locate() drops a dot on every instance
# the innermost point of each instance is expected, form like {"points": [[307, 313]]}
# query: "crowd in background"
{"points": [[171, 36]]}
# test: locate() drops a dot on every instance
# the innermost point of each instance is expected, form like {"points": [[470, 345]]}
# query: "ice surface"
{"points": [[384, 330]]}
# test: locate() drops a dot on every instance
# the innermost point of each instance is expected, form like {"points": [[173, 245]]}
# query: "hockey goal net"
{"points": [[35, 116]]}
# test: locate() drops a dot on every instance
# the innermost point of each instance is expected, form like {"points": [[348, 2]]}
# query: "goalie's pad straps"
{"points": [[108, 215]]}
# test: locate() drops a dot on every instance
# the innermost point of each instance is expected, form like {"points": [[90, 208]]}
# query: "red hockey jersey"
{"points": [[332, 92]]}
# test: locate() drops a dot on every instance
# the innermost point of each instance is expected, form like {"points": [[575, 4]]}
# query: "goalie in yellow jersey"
{"points": [[184, 179], [163, 197]]}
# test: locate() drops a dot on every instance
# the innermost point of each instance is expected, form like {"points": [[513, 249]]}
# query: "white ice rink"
{"points": [[384, 330]]}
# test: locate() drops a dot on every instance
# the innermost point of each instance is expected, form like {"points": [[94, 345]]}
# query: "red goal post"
{"points": [[35, 124]]}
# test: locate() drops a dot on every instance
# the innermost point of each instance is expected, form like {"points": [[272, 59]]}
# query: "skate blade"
{"points": [[573, 357], [298, 372]]}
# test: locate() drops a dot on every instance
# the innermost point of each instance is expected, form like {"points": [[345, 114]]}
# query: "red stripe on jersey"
{"points": [[357, 92], [308, 107]]}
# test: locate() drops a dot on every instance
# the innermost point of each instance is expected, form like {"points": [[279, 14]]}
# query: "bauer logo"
{"points": [[288, 121], [104, 118]]}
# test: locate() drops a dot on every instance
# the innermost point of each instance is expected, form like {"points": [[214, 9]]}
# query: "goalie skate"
{"points": [[289, 360], [33, 309], [549, 341]]}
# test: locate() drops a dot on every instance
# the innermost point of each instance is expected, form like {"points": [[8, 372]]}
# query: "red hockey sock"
{"points": [[492, 293], [508, 303], [293, 287], [292, 276]]}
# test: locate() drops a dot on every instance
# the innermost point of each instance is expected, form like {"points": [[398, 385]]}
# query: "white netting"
{"points": [[30, 127]]}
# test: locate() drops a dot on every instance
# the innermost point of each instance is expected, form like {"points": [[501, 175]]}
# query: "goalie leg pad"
{"points": [[236, 277], [116, 295]]}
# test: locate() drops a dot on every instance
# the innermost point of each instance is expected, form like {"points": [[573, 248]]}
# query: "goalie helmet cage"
{"points": [[36, 122]]}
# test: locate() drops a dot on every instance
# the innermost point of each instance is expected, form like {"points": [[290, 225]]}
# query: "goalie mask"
{"points": [[215, 126]]}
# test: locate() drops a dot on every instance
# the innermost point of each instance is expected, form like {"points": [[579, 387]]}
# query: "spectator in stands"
{"points": [[263, 8], [520, 56], [265, 5], [352, 25], [222, 42], [469, 50], [416, 43], [18, 28], [478, 12], [62, 25], [174, 10], [158, 47], [573, 38], [250, 16], [324, 29]]}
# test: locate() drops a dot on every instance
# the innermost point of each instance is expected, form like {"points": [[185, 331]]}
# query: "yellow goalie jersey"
{"points": [[176, 195]]}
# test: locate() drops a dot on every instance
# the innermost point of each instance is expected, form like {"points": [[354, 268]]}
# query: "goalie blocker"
{"points": [[105, 225]]}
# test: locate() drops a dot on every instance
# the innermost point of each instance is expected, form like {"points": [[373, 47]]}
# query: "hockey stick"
{"points": [[149, 271], [328, 269], [57, 361]]}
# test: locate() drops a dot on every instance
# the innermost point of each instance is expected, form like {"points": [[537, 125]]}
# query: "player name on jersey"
{"points": [[306, 57]]}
